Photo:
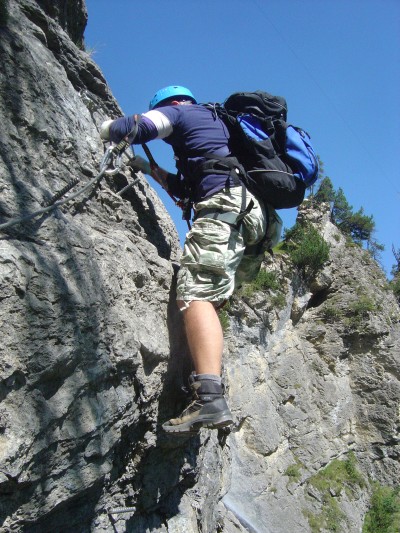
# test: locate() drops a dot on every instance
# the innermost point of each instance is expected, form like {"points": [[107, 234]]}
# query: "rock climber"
{"points": [[223, 247]]}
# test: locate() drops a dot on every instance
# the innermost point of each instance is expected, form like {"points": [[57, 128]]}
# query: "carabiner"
{"points": [[111, 162]]}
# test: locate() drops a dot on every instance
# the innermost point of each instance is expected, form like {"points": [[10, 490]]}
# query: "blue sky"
{"points": [[337, 62]]}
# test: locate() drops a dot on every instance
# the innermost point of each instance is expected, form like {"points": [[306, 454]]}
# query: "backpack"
{"points": [[278, 158]]}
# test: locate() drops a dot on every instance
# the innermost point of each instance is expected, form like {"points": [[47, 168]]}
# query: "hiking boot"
{"points": [[208, 408]]}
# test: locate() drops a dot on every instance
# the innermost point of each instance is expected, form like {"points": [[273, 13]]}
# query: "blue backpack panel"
{"points": [[301, 155]]}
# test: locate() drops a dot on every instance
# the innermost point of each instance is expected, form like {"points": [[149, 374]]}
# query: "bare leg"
{"points": [[205, 336]]}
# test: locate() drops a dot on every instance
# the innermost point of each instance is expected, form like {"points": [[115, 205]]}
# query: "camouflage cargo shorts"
{"points": [[218, 257]]}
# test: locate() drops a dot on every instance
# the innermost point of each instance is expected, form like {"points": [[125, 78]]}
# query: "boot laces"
{"points": [[196, 402], [194, 406]]}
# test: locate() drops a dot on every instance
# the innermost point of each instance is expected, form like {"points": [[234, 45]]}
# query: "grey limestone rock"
{"points": [[93, 356]]}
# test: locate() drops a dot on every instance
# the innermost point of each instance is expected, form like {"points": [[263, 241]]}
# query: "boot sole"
{"points": [[204, 421]]}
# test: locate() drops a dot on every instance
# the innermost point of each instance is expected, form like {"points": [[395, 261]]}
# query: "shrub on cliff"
{"points": [[306, 247], [384, 512]]}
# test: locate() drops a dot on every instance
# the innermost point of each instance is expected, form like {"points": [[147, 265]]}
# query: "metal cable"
{"points": [[35, 214], [120, 510], [107, 159], [56, 196]]}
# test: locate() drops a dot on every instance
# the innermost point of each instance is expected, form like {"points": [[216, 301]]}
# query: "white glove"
{"points": [[139, 163], [105, 130]]}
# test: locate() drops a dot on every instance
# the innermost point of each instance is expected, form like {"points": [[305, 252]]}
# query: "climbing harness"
{"points": [[110, 165]]}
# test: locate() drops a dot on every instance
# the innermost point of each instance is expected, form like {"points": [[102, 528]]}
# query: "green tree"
{"points": [[375, 248], [341, 211], [396, 267], [360, 226], [326, 192], [395, 283], [356, 225]]}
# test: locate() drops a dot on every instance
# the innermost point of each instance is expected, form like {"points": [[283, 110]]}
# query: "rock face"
{"points": [[313, 383], [93, 355]]}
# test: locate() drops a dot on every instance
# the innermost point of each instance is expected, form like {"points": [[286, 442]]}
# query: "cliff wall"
{"points": [[93, 357]]}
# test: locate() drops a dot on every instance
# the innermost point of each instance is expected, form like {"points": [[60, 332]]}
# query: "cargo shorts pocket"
{"points": [[209, 245]]}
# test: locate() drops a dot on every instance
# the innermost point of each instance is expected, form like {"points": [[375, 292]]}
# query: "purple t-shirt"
{"points": [[192, 131]]}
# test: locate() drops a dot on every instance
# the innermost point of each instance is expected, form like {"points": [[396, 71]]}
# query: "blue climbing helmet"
{"points": [[169, 92]]}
